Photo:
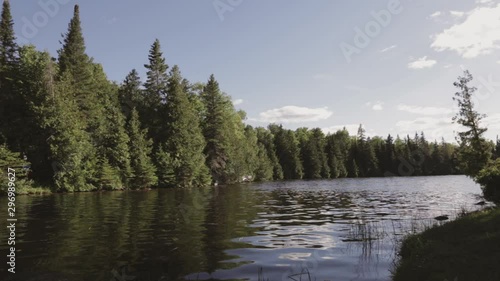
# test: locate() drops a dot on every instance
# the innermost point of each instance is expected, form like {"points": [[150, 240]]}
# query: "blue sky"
{"points": [[387, 64]]}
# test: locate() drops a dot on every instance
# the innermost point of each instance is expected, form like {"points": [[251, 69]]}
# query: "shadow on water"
{"points": [[322, 230]]}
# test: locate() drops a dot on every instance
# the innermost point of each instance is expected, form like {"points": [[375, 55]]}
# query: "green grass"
{"points": [[466, 249]]}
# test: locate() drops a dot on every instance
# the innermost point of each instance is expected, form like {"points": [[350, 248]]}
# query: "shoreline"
{"points": [[45, 190], [467, 248]]}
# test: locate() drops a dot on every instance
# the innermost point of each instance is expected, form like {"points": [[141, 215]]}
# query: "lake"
{"points": [[343, 229]]}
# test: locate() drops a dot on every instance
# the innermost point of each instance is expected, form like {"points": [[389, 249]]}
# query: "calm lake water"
{"points": [[345, 229]]}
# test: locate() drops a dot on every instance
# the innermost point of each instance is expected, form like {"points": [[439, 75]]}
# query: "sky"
{"points": [[387, 64]]}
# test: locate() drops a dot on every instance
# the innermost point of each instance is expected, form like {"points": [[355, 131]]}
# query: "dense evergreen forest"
{"points": [[65, 125]]}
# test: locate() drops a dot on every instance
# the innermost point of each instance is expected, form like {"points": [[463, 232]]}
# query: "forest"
{"points": [[66, 126]]}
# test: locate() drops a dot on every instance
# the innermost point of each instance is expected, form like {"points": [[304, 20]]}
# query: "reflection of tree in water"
{"points": [[228, 215]]}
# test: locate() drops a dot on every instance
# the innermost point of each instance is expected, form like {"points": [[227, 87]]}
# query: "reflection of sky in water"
{"points": [[323, 226]]}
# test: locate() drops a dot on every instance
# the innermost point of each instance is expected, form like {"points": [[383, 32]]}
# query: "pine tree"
{"points": [[287, 149], [10, 104], [266, 138], [365, 155], [474, 150], [109, 177], [72, 153], [116, 140], [72, 56], [166, 167], [264, 170], [353, 169], [222, 129], [388, 161], [497, 148], [8, 46], [37, 74], [314, 160], [185, 141], [130, 94], [155, 93], [143, 170]]}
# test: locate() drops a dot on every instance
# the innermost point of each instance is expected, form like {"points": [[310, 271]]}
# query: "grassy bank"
{"points": [[466, 249]]}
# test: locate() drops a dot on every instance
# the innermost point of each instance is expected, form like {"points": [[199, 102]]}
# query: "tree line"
{"points": [[73, 129]]}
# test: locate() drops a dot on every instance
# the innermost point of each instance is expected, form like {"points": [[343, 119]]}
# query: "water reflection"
{"points": [[333, 230]]}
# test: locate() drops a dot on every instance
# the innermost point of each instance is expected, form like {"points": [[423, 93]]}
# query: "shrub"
{"points": [[489, 179]]}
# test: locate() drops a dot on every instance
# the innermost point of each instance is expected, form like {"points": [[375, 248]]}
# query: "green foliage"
{"points": [[185, 142], [72, 153], [130, 93], [35, 88], [312, 149], [72, 56], [152, 112], [11, 108], [8, 46], [167, 166], [288, 152], [108, 176], [474, 150], [266, 138], [264, 170], [489, 179], [140, 147], [82, 132], [467, 248], [224, 133]]}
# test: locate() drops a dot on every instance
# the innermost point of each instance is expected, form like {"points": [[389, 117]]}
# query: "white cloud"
{"points": [[435, 14], [294, 114], [433, 128], [457, 14], [388, 48], [377, 106], [237, 101], [421, 63], [448, 65], [483, 1], [478, 34], [425, 110], [498, 61], [492, 122]]}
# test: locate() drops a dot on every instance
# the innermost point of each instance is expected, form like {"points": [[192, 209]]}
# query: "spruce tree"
{"points": [[10, 103], [266, 138], [72, 153], [130, 94], [287, 149], [185, 142], [153, 112], [216, 130], [8, 46], [143, 170], [474, 150], [37, 73], [72, 56], [264, 166]]}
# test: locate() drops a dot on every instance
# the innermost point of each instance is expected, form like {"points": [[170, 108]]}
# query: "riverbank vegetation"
{"points": [[469, 247], [64, 124]]}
